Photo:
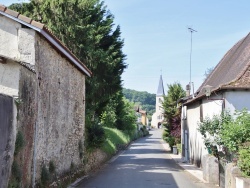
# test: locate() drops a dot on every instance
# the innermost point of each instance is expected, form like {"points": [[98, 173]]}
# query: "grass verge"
{"points": [[115, 140]]}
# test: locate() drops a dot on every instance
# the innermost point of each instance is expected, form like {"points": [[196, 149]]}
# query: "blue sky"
{"points": [[156, 37]]}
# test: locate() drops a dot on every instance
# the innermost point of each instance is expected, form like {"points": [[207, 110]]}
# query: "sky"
{"points": [[157, 40]]}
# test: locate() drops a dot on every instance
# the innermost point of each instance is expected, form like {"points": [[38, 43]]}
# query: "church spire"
{"points": [[160, 91]]}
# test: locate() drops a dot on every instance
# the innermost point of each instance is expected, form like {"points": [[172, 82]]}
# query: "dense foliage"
{"points": [[231, 133], [172, 132], [124, 118], [87, 28], [236, 132], [141, 98], [210, 128], [244, 158]]}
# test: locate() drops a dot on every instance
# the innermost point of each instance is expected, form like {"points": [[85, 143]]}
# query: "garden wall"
{"points": [[234, 178]]}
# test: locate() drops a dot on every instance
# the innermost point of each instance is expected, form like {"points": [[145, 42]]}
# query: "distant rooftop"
{"points": [[160, 91]]}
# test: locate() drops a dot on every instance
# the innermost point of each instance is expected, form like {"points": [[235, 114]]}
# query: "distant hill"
{"points": [[142, 98]]}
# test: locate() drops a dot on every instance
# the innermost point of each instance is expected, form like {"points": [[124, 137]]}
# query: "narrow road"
{"points": [[144, 164]]}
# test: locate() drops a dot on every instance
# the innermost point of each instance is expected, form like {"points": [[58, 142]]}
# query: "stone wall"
{"points": [[94, 160], [26, 121], [210, 168], [50, 108], [234, 178], [233, 175], [61, 109]]}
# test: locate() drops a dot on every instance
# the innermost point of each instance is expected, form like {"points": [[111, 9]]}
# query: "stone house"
{"points": [[144, 119], [42, 99], [225, 89]]}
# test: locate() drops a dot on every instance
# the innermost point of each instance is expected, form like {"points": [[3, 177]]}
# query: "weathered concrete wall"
{"points": [[237, 100], [242, 182], [61, 109], [196, 111], [7, 138], [26, 120], [196, 144], [16, 43], [210, 169], [9, 78], [234, 179], [9, 40], [51, 109]]}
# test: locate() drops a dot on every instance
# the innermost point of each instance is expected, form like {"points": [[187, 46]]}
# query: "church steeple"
{"points": [[160, 91]]}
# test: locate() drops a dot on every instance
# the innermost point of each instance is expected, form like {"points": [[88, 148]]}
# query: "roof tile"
{"points": [[2, 8], [231, 67], [24, 18], [12, 12], [37, 24]]}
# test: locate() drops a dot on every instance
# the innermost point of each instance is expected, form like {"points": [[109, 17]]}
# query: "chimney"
{"points": [[187, 90]]}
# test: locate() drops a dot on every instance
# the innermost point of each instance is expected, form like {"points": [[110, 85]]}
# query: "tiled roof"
{"points": [[41, 28], [160, 90], [233, 70]]}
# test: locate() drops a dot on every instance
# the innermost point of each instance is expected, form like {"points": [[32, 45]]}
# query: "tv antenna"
{"points": [[190, 70]]}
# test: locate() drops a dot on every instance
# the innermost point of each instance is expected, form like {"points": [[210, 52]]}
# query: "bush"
{"points": [[244, 159], [236, 132], [45, 176], [211, 128], [144, 131], [95, 136], [171, 141]]}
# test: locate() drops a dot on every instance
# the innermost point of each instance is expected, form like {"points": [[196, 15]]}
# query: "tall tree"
{"points": [[87, 28], [175, 92], [172, 113]]}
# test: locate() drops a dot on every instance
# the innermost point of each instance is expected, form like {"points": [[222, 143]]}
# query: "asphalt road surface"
{"points": [[144, 164]]}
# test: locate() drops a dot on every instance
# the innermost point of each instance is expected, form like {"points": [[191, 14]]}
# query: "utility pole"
{"points": [[190, 79]]}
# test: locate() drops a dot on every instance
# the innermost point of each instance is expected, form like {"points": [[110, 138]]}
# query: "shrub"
{"points": [[170, 140], [144, 131], [244, 159], [165, 133], [236, 132], [95, 136], [210, 129], [45, 176], [108, 117]]}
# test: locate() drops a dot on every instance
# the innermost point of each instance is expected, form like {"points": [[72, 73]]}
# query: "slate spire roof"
{"points": [[160, 91]]}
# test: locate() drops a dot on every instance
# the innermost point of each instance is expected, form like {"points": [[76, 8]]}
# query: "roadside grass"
{"points": [[115, 140]]}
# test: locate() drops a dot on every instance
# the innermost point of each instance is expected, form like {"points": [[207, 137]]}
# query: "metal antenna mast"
{"points": [[190, 81]]}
